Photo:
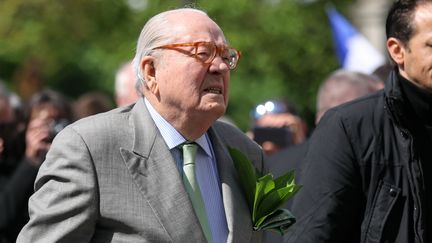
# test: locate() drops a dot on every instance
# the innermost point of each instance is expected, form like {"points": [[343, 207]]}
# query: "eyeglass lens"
{"points": [[206, 52]]}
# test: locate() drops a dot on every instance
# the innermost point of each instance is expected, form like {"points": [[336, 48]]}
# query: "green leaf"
{"points": [[286, 179], [263, 185], [275, 199], [265, 195], [246, 173]]}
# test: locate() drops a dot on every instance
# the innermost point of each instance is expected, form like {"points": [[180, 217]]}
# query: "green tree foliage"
{"points": [[77, 45]]}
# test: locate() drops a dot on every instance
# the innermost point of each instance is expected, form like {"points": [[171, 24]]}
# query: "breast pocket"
{"points": [[383, 202]]}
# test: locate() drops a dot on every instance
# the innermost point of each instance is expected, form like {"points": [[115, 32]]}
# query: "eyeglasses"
{"points": [[206, 52]]}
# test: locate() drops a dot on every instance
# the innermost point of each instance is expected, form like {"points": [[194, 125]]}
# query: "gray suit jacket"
{"points": [[112, 178]]}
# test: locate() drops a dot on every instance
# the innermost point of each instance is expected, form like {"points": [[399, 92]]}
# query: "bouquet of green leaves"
{"points": [[265, 195]]}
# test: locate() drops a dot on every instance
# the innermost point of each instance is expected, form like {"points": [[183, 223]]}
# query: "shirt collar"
{"points": [[171, 136]]}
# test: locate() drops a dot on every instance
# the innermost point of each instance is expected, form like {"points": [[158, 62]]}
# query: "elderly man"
{"points": [[368, 174], [119, 176]]}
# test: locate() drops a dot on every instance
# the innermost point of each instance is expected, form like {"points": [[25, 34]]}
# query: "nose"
{"points": [[218, 65]]}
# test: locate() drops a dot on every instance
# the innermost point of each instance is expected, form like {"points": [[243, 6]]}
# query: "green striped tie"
{"points": [[192, 187]]}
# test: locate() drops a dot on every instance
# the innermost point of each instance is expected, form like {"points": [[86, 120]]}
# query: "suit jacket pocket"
{"points": [[383, 202]]}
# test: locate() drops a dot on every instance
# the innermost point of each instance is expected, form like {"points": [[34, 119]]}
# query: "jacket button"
{"points": [[392, 192]]}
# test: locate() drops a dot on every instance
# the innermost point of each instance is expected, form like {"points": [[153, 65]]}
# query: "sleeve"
{"points": [[329, 206], [64, 205]]}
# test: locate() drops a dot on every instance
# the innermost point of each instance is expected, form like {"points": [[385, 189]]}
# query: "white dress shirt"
{"points": [[206, 172]]}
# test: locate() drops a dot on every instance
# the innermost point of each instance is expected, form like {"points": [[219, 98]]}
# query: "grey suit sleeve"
{"points": [[64, 206]]}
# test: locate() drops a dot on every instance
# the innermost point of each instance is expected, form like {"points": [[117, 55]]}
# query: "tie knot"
{"points": [[189, 153]]}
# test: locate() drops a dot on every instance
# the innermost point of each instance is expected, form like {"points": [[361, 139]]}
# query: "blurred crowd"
{"points": [[282, 131], [27, 128], [364, 159]]}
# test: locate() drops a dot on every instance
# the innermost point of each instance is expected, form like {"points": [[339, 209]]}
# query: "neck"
{"points": [[419, 99], [424, 88], [191, 125]]}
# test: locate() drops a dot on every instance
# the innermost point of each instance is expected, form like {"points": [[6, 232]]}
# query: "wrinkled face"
{"points": [[184, 84], [416, 61]]}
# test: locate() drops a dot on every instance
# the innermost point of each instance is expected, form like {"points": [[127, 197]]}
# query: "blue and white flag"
{"points": [[354, 51]]}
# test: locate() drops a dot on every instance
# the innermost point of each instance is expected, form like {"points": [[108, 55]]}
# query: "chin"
{"points": [[219, 109], [216, 109]]}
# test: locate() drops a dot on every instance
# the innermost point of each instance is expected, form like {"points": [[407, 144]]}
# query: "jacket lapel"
{"points": [[236, 209], [155, 173]]}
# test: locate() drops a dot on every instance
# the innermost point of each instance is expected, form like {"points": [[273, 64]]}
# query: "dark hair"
{"points": [[92, 103], [53, 98], [399, 23]]}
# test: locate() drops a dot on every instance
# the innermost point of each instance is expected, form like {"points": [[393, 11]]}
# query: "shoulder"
{"points": [[364, 112], [351, 128], [98, 129], [103, 123], [232, 136], [363, 106]]}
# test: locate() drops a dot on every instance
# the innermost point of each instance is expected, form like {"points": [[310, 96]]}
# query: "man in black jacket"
{"points": [[369, 164], [339, 87]]}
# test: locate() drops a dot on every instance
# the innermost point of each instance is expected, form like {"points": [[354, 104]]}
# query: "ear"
{"points": [[396, 50], [149, 73]]}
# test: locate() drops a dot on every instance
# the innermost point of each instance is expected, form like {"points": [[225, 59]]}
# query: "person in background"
{"points": [[48, 113], [119, 176], [9, 156], [6, 111], [91, 103], [7, 124], [339, 87], [368, 169], [383, 71], [15, 187], [276, 125], [18, 170], [124, 89], [343, 86], [12, 128]]}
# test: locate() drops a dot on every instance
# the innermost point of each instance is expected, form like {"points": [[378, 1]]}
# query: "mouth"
{"points": [[213, 90]]}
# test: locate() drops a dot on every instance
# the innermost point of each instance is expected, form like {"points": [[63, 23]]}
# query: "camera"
{"points": [[56, 126], [281, 136]]}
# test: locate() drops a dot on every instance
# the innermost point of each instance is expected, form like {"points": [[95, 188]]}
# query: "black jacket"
{"points": [[15, 191], [361, 179]]}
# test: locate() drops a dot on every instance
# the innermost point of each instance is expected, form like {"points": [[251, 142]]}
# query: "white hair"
{"points": [[156, 32], [342, 86]]}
